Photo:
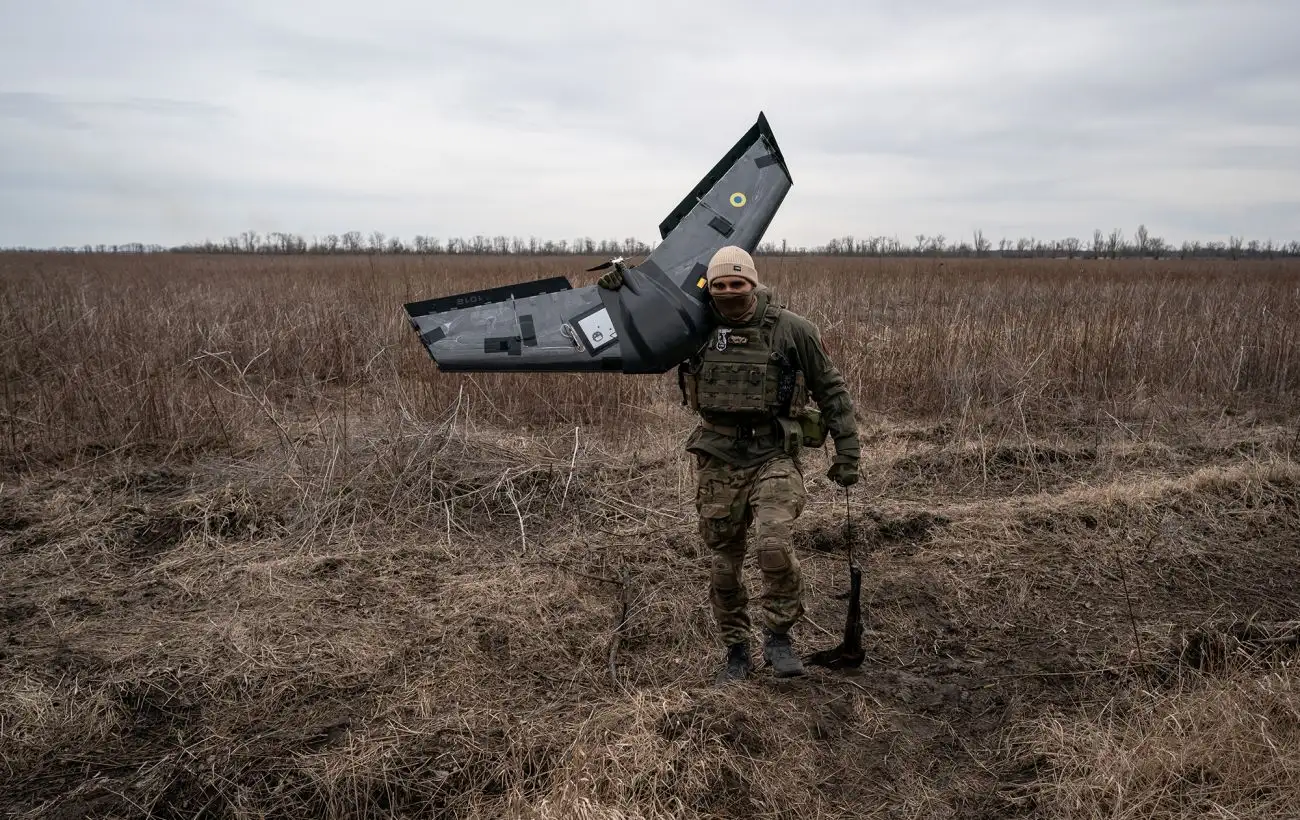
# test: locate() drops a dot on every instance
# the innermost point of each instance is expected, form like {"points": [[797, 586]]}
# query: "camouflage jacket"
{"points": [[799, 342]]}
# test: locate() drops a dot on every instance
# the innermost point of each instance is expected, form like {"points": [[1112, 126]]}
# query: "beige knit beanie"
{"points": [[732, 261]]}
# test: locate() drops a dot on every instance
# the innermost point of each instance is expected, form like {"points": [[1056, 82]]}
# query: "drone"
{"points": [[659, 316]]}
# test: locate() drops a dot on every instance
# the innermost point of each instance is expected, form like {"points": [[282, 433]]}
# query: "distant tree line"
{"points": [[1112, 245]]}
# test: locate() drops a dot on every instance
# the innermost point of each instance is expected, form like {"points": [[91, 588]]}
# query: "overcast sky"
{"points": [[178, 120]]}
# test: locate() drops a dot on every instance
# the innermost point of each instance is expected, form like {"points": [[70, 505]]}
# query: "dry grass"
{"points": [[261, 559], [172, 351], [1225, 748]]}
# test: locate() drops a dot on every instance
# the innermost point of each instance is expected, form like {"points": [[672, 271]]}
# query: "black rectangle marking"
{"points": [[432, 336], [692, 284], [527, 330], [766, 160], [721, 225], [502, 344], [478, 298]]}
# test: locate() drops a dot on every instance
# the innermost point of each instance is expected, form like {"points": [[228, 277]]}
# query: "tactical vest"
{"points": [[739, 377]]}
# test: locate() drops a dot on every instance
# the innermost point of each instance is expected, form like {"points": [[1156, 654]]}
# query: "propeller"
{"points": [[611, 263]]}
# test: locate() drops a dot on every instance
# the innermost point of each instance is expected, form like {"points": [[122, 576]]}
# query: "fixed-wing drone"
{"points": [[657, 319]]}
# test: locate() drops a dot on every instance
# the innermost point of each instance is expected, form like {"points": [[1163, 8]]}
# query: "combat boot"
{"points": [[736, 667], [780, 655]]}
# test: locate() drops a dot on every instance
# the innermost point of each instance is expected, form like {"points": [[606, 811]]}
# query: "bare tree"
{"points": [[1157, 246], [1234, 246], [1115, 243], [1142, 240]]}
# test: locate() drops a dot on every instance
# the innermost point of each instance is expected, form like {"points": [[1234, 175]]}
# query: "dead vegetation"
{"points": [[258, 558]]}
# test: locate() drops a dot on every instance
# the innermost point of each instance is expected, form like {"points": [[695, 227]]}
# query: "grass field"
{"points": [[259, 558]]}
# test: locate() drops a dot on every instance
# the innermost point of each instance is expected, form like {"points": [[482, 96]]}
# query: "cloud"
{"points": [[165, 122], [57, 111]]}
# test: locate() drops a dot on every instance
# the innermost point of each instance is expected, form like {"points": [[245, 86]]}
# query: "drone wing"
{"points": [[656, 320]]}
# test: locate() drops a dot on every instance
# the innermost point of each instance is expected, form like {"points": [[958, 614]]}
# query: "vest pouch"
{"points": [[791, 432], [799, 394], [732, 387], [812, 428], [690, 387]]}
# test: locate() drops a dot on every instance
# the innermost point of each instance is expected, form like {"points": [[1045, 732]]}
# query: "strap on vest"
{"points": [[761, 430]]}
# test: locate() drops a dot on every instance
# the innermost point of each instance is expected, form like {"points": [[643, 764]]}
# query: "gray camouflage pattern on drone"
{"points": [[658, 318]]}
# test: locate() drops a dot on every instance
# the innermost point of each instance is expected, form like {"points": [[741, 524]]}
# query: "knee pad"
{"points": [[724, 574], [773, 558]]}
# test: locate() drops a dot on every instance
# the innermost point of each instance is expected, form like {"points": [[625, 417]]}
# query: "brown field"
{"points": [[259, 558]]}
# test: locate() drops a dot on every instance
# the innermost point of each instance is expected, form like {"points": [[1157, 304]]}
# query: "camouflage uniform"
{"points": [[750, 384]]}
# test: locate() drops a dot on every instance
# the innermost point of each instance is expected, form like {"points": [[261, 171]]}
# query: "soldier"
{"points": [[750, 384]]}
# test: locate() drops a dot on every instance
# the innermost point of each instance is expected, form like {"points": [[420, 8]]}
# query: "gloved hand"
{"points": [[612, 279], [843, 473]]}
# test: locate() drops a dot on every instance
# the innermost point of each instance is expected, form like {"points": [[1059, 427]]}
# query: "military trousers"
{"points": [[731, 501]]}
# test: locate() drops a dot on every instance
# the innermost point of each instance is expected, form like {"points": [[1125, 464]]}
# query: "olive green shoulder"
{"points": [[789, 322]]}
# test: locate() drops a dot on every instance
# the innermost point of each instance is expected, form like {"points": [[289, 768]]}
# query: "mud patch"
{"points": [[1065, 521], [17, 613], [154, 706], [1000, 469], [80, 606], [102, 802], [153, 537], [1238, 645], [874, 527], [703, 723], [912, 527], [151, 482], [13, 519], [150, 530], [65, 660]]}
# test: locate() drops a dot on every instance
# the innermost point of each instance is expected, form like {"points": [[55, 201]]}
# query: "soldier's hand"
{"points": [[843, 473], [612, 279]]}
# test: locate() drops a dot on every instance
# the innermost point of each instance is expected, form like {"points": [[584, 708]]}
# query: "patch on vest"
{"points": [[726, 337]]}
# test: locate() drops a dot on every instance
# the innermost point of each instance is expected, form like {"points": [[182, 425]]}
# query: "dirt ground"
{"points": [[454, 620]]}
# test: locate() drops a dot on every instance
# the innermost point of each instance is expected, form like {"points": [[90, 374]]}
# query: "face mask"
{"points": [[733, 305]]}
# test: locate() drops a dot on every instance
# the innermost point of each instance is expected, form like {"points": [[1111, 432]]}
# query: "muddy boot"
{"points": [[780, 655], [736, 667]]}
